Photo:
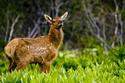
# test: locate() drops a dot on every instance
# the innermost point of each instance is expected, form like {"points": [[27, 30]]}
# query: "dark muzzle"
{"points": [[60, 25]]}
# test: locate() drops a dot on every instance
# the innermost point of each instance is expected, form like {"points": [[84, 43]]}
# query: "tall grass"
{"points": [[88, 66]]}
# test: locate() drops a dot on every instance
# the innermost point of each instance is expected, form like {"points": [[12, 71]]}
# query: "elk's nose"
{"points": [[60, 25]]}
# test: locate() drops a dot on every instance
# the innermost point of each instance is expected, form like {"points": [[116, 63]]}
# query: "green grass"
{"points": [[88, 66]]}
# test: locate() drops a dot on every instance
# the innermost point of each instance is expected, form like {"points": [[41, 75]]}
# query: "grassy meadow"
{"points": [[85, 66]]}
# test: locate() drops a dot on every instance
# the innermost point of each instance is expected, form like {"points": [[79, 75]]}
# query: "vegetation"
{"points": [[87, 66]]}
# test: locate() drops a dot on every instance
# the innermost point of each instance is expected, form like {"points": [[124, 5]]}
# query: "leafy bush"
{"points": [[119, 52]]}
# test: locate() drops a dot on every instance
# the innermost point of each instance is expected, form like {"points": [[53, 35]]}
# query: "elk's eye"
{"points": [[53, 21], [61, 22]]}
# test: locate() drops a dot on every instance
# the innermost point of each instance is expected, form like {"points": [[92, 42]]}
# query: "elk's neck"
{"points": [[56, 36]]}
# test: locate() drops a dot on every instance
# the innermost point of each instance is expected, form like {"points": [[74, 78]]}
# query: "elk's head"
{"points": [[56, 22]]}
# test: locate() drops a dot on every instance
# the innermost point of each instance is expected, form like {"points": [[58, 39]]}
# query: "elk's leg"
{"points": [[21, 65], [12, 66], [45, 67]]}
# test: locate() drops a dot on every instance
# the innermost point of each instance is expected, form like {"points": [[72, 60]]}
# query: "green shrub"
{"points": [[118, 52]]}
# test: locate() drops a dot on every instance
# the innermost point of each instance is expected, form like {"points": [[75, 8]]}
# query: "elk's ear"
{"points": [[63, 17], [48, 18]]}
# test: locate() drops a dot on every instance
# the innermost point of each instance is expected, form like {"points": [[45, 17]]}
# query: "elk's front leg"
{"points": [[45, 67], [21, 65]]}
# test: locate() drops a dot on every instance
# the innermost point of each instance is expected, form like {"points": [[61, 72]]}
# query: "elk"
{"points": [[42, 50]]}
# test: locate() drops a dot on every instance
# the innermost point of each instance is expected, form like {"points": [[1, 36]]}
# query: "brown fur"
{"points": [[42, 50]]}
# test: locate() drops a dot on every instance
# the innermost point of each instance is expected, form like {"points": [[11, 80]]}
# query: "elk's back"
{"points": [[33, 49]]}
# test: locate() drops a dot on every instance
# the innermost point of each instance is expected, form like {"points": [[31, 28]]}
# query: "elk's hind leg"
{"points": [[45, 67], [12, 64]]}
